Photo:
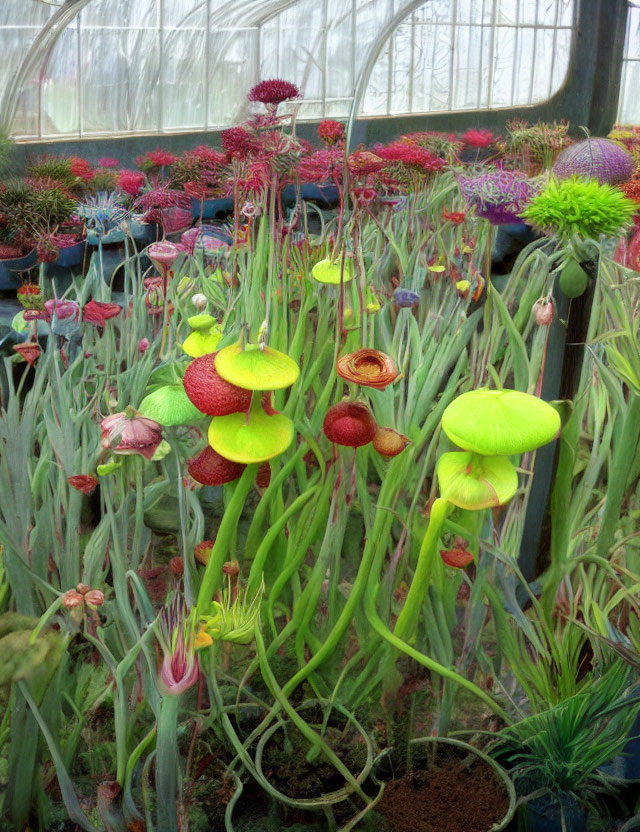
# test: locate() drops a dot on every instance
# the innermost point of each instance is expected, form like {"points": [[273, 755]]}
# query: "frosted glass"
{"points": [[148, 66], [629, 112]]}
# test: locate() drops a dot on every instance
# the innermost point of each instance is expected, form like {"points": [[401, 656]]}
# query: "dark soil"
{"points": [[449, 797]]}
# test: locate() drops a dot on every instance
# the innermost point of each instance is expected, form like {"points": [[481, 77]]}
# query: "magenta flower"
{"points": [[62, 309], [130, 181], [163, 255], [129, 433], [273, 91], [108, 162], [179, 669]]}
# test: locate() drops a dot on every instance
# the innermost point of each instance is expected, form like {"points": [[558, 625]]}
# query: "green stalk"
{"points": [[211, 579], [621, 464], [168, 764]]}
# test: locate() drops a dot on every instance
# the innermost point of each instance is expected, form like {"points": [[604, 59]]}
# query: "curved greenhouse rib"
{"points": [[43, 44], [374, 53]]}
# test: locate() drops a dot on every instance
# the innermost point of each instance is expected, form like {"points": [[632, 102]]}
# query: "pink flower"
{"points": [[238, 142], [273, 91], [163, 255], [410, 155], [62, 309], [129, 433], [321, 165], [130, 181], [158, 158], [81, 168], [478, 138], [331, 132], [143, 345], [98, 313], [108, 162], [179, 669]]}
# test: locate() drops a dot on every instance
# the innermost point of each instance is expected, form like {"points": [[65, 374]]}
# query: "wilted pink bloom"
{"points": [[129, 433], [30, 351], [179, 669], [143, 345], [83, 482], [62, 309], [98, 313]]}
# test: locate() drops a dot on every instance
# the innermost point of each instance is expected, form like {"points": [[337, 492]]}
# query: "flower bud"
{"points": [[143, 345], [72, 599], [543, 311], [83, 588], [199, 301], [94, 597]]}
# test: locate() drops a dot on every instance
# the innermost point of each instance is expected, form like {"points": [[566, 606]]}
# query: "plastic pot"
{"points": [[10, 269], [71, 255], [544, 814], [384, 761]]}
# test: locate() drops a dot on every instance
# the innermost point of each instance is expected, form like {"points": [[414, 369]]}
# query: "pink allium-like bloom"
{"points": [[130, 181], [81, 168], [159, 158], [273, 91], [331, 132], [179, 669], [478, 138], [410, 155], [238, 142], [129, 433], [321, 165], [98, 313], [108, 162]]}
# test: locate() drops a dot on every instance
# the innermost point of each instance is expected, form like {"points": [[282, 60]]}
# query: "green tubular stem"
{"points": [[257, 566], [380, 627], [622, 462], [167, 764], [408, 619], [211, 579], [305, 729], [131, 764]]}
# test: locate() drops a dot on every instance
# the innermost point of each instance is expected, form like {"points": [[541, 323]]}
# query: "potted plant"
{"points": [[555, 756]]}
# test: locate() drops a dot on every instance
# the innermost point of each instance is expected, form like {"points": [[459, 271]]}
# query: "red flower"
{"points": [[159, 158], [364, 196], [130, 181], [364, 163], [83, 482], [330, 131], [238, 142], [273, 91], [81, 168], [410, 155], [478, 138], [456, 217], [196, 190], [99, 313], [108, 162], [459, 556], [30, 351], [321, 165]]}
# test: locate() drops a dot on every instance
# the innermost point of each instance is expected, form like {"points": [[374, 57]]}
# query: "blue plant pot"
{"points": [[116, 235], [327, 194], [71, 255], [545, 815], [211, 208], [10, 269]]}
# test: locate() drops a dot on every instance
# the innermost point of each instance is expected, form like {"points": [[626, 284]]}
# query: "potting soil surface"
{"points": [[452, 797]]}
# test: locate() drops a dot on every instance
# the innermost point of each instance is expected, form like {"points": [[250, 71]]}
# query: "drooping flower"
{"points": [[179, 669], [543, 311], [367, 367], [209, 392], [129, 433], [98, 313], [458, 556], [388, 442], [62, 309], [202, 551], [210, 468], [349, 423], [163, 255], [30, 351], [84, 483], [273, 91]]}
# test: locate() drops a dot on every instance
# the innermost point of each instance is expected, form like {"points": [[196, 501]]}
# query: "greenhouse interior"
{"points": [[320, 415]]}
